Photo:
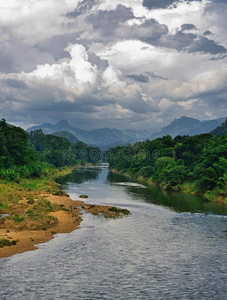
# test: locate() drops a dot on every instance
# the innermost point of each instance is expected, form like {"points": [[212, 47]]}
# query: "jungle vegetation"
{"points": [[34, 154], [195, 164]]}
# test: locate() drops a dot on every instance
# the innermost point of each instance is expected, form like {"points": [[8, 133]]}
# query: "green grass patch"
{"points": [[5, 242], [119, 210], [17, 218]]}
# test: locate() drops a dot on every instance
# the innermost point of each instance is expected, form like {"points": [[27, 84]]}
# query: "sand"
{"points": [[67, 222]]}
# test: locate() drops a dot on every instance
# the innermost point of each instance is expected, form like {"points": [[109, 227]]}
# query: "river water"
{"points": [[172, 246]]}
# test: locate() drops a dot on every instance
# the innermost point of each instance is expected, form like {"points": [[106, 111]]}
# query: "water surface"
{"points": [[172, 246]]}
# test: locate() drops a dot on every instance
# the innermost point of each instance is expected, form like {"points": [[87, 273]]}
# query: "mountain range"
{"points": [[187, 126], [103, 138], [106, 138]]}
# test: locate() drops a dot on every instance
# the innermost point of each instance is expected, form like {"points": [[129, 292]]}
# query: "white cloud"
{"points": [[138, 55], [187, 104], [183, 13], [166, 104], [78, 74], [109, 78], [34, 21]]}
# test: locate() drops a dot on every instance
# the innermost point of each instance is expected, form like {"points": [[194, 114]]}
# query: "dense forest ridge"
{"points": [[28, 155], [193, 164], [222, 130]]}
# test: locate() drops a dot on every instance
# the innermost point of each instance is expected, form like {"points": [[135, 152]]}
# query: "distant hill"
{"points": [[66, 134], [222, 130], [187, 126], [104, 137]]}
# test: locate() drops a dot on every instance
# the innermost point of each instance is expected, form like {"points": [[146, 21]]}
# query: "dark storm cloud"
{"points": [[180, 40], [144, 78], [15, 56], [57, 44], [139, 78], [84, 6], [188, 27], [108, 21], [152, 75], [155, 4], [205, 45], [13, 83], [102, 64], [206, 33], [152, 4], [149, 31], [193, 43]]}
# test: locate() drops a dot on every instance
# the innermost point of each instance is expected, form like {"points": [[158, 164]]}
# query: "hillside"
{"points": [[196, 164], [187, 126], [24, 155], [222, 130], [106, 138], [67, 135], [103, 137]]}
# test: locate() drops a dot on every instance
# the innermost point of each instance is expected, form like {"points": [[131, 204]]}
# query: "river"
{"points": [[172, 246]]}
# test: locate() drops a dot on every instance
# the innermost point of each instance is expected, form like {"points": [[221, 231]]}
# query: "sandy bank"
{"points": [[67, 222]]}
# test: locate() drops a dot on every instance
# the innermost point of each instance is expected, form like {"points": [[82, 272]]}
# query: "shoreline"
{"points": [[188, 190], [29, 239], [68, 221]]}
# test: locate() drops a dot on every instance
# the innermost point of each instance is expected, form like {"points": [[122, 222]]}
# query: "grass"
{"points": [[17, 218], [23, 203], [5, 242], [119, 210]]}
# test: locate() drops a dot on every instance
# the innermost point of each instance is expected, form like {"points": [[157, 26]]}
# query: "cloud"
{"points": [[193, 43], [154, 4], [78, 74], [139, 78], [83, 7], [205, 45], [107, 21], [34, 21], [148, 31], [129, 63]]}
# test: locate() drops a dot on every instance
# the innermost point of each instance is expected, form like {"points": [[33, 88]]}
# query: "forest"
{"points": [[193, 164], [34, 154]]}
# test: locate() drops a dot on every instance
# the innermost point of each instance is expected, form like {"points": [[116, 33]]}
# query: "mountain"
{"points": [[66, 134], [187, 126], [222, 130], [103, 138]]}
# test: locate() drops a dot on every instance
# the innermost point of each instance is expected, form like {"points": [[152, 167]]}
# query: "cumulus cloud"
{"points": [[129, 63], [78, 74], [35, 21]]}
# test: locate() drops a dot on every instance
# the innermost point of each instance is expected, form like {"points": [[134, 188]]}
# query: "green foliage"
{"points": [[6, 242], [40, 210], [32, 155], [200, 161], [17, 218], [221, 130], [59, 152]]}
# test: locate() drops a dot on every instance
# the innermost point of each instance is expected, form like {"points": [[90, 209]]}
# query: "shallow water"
{"points": [[172, 246]]}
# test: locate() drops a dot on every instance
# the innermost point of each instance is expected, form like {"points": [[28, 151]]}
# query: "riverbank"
{"points": [[185, 187], [35, 210]]}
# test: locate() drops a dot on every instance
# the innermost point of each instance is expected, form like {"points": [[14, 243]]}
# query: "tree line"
{"points": [[196, 164], [34, 154]]}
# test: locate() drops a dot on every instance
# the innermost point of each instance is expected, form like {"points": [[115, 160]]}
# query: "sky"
{"points": [[135, 64]]}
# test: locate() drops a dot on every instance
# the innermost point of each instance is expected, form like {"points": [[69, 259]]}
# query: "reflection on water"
{"points": [[172, 246], [179, 202], [80, 175]]}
